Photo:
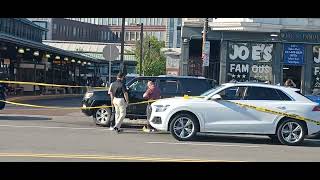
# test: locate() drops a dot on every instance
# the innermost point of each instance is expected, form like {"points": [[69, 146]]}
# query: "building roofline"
{"points": [[82, 42], [27, 21], [24, 42]]}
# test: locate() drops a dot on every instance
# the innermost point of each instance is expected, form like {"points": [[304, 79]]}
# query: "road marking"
{"points": [[204, 144], [71, 128], [106, 157], [50, 127]]}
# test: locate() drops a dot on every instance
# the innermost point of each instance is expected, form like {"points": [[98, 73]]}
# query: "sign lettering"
{"points": [[316, 70], [257, 52]]}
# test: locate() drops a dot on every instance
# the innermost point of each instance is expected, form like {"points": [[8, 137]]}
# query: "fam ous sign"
{"points": [[249, 61]]}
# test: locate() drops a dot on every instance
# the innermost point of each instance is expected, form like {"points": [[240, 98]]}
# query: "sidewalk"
{"points": [[40, 97]]}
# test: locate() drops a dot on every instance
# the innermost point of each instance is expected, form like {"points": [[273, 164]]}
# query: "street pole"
{"points": [[122, 44], [141, 48], [109, 83], [204, 38]]}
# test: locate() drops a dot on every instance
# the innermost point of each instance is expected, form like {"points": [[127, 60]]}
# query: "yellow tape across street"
{"points": [[261, 109], [68, 108]]}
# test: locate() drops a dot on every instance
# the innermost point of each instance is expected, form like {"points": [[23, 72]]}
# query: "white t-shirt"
{"points": [[109, 91]]}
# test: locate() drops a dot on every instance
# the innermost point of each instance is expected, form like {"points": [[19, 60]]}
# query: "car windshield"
{"points": [[212, 90]]}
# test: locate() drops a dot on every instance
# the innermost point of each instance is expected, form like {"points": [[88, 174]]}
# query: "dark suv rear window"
{"points": [[196, 86], [169, 86]]}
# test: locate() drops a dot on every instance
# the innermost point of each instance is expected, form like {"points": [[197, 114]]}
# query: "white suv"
{"points": [[216, 112]]}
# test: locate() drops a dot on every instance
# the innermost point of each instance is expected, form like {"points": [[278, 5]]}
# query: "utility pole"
{"points": [[141, 48], [204, 39], [122, 44]]}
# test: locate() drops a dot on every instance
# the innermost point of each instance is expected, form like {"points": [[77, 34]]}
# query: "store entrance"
{"points": [[294, 73]]}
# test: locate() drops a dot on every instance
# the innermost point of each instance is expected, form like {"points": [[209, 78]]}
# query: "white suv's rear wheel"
{"points": [[102, 116], [291, 132], [184, 127]]}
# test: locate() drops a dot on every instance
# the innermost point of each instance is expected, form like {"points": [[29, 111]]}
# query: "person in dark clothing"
{"points": [[120, 100], [152, 93]]}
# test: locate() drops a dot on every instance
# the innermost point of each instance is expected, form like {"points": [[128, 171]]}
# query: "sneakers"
{"points": [[111, 128], [144, 129], [117, 129]]}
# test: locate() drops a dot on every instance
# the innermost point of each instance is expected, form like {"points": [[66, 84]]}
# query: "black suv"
{"points": [[2, 97], [170, 86]]}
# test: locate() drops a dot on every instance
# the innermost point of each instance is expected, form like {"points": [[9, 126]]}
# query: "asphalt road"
{"points": [[29, 134]]}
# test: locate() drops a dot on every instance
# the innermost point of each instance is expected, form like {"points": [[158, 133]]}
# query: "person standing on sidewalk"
{"points": [[152, 93], [120, 100]]}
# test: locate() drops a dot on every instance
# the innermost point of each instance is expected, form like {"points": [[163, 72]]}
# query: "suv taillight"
{"points": [[316, 108]]}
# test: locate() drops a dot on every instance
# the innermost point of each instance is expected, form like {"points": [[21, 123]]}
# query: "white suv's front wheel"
{"points": [[291, 132], [184, 127]]}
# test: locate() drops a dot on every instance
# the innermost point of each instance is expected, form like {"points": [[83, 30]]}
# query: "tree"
{"points": [[154, 61]]}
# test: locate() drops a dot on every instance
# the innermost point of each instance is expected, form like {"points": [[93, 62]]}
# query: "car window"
{"points": [[208, 92], [196, 86], [283, 96], [262, 93], [169, 86], [139, 85], [233, 93]]}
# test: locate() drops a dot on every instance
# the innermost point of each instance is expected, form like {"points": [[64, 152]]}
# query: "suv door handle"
{"points": [[281, 107]]}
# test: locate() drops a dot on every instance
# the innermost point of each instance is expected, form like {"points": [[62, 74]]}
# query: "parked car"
{"points": [[2, 97], [314, 98], [170, 86], [212, 114]]}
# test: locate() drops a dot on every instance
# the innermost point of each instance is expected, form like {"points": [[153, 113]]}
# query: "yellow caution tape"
{"points": [[68, 108], [46, 84], [261, 109]]}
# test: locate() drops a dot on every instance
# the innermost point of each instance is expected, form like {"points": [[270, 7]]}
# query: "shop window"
{"points": [[249, 62]]}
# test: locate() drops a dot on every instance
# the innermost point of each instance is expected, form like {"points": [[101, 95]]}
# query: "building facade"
{"points": [[255, 49], [152, 27], [23, 57], [173, 39], [108, 29], [95, 50]]}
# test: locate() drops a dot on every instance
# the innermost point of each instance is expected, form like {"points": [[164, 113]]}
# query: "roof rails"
{"points": [[194, 77]]}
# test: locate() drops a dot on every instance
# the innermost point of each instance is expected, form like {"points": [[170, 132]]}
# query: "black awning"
{"points": [[43, 47]]}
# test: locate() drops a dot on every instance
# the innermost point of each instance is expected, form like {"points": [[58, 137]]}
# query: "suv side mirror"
{"points": [[216, 97]]}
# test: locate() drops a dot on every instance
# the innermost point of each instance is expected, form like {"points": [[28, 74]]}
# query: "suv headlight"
{"points": [[88, 95], [161, 108]]}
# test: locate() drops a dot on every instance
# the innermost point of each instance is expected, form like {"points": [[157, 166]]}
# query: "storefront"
{"points": [[23, 57], [256, 57]]}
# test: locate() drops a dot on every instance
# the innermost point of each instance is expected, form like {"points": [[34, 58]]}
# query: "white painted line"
{"points": [[52, 127], [204, 144]]}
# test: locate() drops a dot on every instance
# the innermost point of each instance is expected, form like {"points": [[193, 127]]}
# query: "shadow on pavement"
{"points": [[24, 118], [250, 140]]}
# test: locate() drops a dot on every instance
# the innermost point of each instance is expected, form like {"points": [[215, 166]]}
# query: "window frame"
{"points": [[269, 88], [179, 86], [242, 97]]}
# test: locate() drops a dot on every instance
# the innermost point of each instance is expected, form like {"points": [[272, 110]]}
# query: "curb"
{"points": [[42, 97]]}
